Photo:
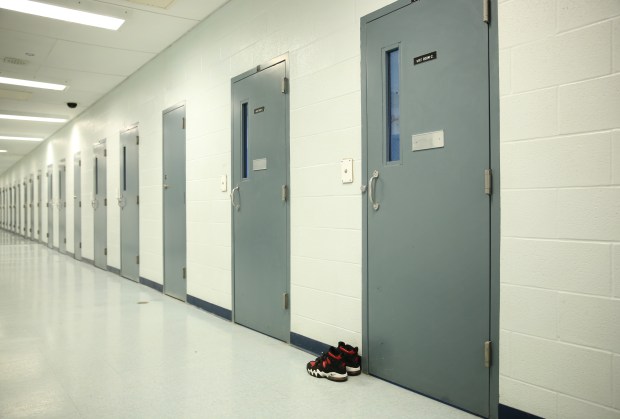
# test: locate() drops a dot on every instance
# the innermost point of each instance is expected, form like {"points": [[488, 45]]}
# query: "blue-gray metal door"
{"points": [[428, 214], [62, 208], [25, 209], [260, 201], [77, 206], [100, 205], [40, 206], [19, 209], [31, 228], [128, 200], [50, 206], [175, 247]]}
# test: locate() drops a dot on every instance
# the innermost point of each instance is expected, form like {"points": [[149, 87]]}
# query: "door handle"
{"points": [[236, 205], [121, 201], [371, 190], [165, 186], [94, 203]]}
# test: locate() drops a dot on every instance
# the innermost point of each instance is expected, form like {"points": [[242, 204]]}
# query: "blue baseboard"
{"points": [[151, 284], [309, 345], [211, 308], [507, 412], [114, 270]]}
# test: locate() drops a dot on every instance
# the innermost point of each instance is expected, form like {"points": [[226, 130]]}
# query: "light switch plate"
{"points": [[223, 183], [346, 170]]}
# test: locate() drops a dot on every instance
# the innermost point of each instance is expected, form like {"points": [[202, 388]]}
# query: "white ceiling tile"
{"points": [[95, 59]]}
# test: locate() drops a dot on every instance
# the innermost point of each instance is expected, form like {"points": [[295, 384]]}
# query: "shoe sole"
{"points": [[332, 376], [354, 371]]}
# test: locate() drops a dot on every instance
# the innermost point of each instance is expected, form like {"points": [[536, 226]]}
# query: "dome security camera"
{"points": [[72, 105]]}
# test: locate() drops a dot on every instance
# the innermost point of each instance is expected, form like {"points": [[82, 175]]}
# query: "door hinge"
{"points": [[137, 199], [184, 273], [183, 122], [284, 193], [487, 354], [137, 140], [64, 241], [47, 235], [485, 11], [105, 202], [105, 152], [105, 251], [488, 181], [80, 163], [285, 300], [80, 245], [285, 85], [138, 260]]}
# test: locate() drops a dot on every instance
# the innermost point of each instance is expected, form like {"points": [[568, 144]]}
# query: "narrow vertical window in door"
{"points": [[96, 176], [124, 168], [393, 105], [244, 139]]}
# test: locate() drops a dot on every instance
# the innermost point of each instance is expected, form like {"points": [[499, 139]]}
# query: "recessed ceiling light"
{"points": [[9, 138], [32, 118], [2, 151], [32, 83], [62, 13]]}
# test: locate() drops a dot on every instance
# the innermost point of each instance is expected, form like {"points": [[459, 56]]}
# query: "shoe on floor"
{"points": [[329, 365], [352, 360]]}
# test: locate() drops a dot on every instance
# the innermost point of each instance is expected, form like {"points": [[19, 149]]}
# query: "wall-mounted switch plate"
{"points": [[346, 170], [223, 183]]}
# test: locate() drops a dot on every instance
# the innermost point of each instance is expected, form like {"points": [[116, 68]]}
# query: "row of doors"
{"points": [[427, 219], [17, 208], [426, 225]]}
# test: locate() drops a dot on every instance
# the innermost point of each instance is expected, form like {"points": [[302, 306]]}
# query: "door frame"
{"points": [[287, 138], [494, 165], [121, 167]]}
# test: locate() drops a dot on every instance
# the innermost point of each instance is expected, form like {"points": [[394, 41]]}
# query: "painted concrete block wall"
{"points": [[560, 286]]}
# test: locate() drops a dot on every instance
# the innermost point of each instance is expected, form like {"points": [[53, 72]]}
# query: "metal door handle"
{"points": [[371, 190], [165, 186], [232, 198], [121, 201], [94, 203]]}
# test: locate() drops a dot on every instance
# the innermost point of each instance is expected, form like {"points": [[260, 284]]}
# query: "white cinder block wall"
{"points": [[560, 162], [560, 157]]}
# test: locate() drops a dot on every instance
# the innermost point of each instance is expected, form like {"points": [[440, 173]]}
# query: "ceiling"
{"points": [[90, 61]]}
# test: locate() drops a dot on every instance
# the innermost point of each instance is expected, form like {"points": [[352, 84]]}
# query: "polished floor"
{"points": [[79, 342]]}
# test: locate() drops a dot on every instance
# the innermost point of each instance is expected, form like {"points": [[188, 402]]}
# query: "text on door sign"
{"points": [[424, 58]]}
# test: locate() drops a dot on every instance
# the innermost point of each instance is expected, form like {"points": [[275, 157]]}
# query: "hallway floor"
{"points": [[79, 342]]}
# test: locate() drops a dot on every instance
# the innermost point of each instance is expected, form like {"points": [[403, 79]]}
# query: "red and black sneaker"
{"points": [[329, 365], [352, 360]]}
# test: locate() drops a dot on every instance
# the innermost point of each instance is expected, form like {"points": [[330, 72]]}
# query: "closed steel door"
{"points": [[62, 208], [19, 209], [100, 204], [24, 209], [175, 247], [427, 215], [77, 206], [260, 201], [50, 206], [40, 206], [128, 200], [32, 228]]}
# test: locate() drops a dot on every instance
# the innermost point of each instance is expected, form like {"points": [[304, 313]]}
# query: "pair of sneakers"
{"points": [[337, 363]]}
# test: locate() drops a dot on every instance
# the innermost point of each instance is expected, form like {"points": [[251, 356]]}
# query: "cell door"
{"points": [[175, 247], [32, 228], [50, 206], [19, 209], [62, 207], [77, 206], [427, 218], [24, 209], [260, 201], [39, 206], [100, 204], [128, 200]]}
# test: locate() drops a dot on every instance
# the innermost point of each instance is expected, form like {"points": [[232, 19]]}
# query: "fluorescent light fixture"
{"points": [[8, 138], [31, 83], [62, 13], [2, 151], [32, 118]]}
